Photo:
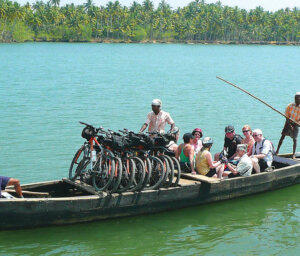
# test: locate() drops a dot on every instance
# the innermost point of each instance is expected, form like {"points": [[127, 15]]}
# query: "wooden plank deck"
{"points": [[198, 177]]}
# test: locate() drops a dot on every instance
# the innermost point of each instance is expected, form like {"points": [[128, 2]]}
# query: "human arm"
{"points": [[177, 152], [232, 168], [210, 161], [191, 158], [143, 127], [170, 121]]}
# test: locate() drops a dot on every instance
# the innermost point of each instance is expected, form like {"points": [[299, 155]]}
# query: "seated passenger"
{"points": [[262, 152], [172, 146], [197, 143], [204, 162], [185, 154], [249, 140], [244, 167], [230, 142], [7, 181]]}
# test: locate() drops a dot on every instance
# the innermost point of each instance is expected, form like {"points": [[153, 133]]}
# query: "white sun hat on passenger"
{"points": [[156, 102], [297, 94]]}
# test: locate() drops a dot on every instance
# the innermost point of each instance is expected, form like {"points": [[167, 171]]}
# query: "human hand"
{"points": [[194, 173]]}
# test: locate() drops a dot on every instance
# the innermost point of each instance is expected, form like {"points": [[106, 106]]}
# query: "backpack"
{"points": [[262, 144]]}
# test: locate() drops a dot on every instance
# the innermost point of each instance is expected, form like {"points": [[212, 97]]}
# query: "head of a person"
{"points": [[156, 105], [229, 132], [207, 142], [247, 130], [188, 138], [241, 149], [197, 133], [258, 135], [297, 98], [175, 133]]}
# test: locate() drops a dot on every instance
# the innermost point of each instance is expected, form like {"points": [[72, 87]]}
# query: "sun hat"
{"points": [[297, 94], [207, 141], [156, 102], [243, 147]]}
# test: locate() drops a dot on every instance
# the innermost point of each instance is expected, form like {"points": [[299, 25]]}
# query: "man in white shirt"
{"points": [[157, 119], [262, 152]]}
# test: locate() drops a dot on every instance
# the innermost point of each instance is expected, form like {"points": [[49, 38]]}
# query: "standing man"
{"points": [[157, 119], [7, 181], [290, 129], [230, 142]]}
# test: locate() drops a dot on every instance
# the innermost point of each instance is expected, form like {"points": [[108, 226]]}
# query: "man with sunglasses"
{"points": [[293, 112], [157, 119], [262, 152]]}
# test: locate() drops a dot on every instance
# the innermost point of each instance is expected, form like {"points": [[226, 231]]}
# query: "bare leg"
{"points": [[294, 148], [216, 156], [279, 143], [220, 170], [255, 165], [16, 184]]}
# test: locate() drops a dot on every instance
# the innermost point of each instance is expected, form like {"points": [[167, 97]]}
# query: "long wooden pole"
{"points": [[292, 121]]}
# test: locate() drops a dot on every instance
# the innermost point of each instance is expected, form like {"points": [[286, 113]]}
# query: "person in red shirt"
{"points": [[290, 129]]}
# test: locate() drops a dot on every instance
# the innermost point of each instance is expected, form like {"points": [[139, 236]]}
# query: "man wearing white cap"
{"points": [[290, 129], [157, 118]]}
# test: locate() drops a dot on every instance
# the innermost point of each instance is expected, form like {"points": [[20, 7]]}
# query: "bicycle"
{"points": [[92, 162]]}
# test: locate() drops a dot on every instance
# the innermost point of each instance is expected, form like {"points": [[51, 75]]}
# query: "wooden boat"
{"points": [[65, 202]]}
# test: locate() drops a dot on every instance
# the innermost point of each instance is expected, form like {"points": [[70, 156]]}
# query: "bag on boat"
{"points": [[87, 133]]}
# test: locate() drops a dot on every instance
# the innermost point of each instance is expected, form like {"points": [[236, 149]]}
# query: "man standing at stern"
{"points": [[157, 119], [290, 129]]}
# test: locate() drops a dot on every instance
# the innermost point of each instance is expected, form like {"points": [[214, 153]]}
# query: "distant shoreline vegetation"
{"points": [[198, 22]]}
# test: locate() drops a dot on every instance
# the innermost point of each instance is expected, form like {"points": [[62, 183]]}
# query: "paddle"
{"points": [[292, 121]]}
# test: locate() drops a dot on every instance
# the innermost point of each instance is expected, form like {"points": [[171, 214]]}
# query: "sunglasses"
{"points": [[246, 131], [256, 135]]}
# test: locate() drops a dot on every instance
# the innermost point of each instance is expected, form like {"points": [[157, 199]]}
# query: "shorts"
{"points": [[262, 164], [211, 172], [231, 175], [290, 130], [185, 167], [4, 180]]}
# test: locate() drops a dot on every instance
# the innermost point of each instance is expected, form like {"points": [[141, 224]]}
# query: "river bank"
{"points": [[107, 41]]}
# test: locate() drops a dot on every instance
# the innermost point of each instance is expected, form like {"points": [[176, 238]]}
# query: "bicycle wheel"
{"points": [[166, 167], [158, 173], [177, 170], [170, 174], [127, 174], [103, 172], [117, 175], [148, 171], [139, 174], [77, 163]]}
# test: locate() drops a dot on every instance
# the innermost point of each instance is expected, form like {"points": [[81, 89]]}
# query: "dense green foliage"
{"points": [[197, 21]]}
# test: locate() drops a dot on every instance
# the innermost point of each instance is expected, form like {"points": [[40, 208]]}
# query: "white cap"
{"points": [[156, 102], [257, 131], [297, 94]]}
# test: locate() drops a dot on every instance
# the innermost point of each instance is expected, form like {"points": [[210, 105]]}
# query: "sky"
{"points": [[269, 5]]}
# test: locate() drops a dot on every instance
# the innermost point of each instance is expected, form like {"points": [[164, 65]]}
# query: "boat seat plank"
{"points": [[199, 177], [85, 187]]}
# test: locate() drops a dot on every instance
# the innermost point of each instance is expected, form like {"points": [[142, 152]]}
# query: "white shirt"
{"points": [[245, 166], [158, 122], [266, 149]]}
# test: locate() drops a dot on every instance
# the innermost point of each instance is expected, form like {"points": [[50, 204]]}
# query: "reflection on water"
{"points": [[263, 224]]}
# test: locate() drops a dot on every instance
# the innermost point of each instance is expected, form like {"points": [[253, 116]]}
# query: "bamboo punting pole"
{"points": [[292, 121]]}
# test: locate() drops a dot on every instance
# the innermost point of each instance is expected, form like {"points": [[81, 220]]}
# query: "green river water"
{"points": [[46, 88]]}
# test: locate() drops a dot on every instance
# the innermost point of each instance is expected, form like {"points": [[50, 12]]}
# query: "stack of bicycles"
{"points": [[124, 161]]}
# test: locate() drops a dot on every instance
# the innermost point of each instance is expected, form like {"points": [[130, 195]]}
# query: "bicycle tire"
{"points": [[103, 172], [148, 171], [157, 174], [166, 167], [117, 175], [139, 176], [127, 174], [170, 174], [178, 168], [76, 164]]}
